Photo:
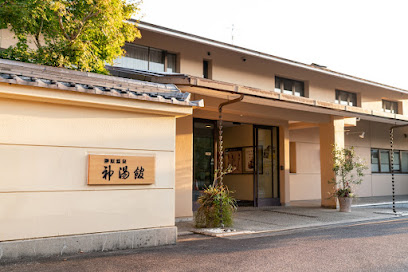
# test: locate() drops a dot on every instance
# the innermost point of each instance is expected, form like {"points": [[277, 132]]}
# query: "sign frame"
{"points": [[110, 169]]}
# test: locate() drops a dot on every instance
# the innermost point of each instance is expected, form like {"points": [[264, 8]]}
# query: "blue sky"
{"points": [[363, 38]]}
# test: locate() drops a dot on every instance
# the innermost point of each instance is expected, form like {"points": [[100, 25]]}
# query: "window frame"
{"points": [[385, 101], [389, 162], [293, 81], [164, 53], [338, 95]]}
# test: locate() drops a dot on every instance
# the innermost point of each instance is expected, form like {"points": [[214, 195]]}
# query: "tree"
{"points": [[349, 170], [76, 34]]}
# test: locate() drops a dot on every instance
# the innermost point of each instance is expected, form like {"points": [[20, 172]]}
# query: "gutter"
{"points": [[399, 126]]}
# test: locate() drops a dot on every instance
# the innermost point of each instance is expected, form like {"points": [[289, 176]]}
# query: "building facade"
{"points": [[280, 124], [290, 116]]}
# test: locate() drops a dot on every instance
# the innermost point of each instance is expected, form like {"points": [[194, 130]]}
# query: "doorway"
{"points": [[252, 150], [204, 145], [266, 174]]}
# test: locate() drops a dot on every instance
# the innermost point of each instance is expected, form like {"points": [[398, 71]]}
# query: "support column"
{"points": [[184, 166], [284, 165], [331, 134]]}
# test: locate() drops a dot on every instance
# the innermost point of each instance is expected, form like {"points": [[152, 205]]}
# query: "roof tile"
{"points": [[15, 72]]}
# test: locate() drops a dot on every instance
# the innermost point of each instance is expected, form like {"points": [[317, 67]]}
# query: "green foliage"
{"points": [[216, 207], [76, 34], [349, 170]]}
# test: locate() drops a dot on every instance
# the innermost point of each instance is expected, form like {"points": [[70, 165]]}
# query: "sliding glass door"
{"points": [[266, 166]]}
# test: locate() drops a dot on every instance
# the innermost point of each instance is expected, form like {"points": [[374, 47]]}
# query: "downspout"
{"points": [[220, 173], [392, 165], [219, 176], [230, 102]]}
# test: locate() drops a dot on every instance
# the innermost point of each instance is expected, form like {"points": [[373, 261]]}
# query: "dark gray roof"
{"points": [[16, 72]]}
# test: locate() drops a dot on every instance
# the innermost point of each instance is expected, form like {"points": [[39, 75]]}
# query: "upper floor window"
{"points": [[207, 69], [390, 106], [346, 98], [147, 58], [289, 86]]}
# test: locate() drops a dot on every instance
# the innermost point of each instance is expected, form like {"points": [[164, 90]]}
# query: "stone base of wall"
{"points": [[68, 245]]}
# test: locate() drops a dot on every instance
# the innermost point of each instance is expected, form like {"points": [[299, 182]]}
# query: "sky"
{"points": [[363, 38]]}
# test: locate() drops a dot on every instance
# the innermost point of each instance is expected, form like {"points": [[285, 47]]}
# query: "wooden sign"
{"points": [[120, 170]]}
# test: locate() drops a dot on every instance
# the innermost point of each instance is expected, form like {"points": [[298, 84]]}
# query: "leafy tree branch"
{"points": [[81, 35]]}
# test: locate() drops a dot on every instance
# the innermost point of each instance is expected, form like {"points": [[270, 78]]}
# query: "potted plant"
{"points": [[216, 204], [349, 171]]}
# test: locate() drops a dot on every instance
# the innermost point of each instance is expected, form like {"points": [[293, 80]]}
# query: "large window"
{"points": [[289, 86], [147, 59], [390, 106], [346, 98], [381, 161]]}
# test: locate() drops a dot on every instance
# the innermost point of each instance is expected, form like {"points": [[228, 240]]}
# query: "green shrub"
{"points": [[216, 207]]}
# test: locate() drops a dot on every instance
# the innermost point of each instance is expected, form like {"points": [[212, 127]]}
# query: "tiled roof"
{"points": [[16, 72]]}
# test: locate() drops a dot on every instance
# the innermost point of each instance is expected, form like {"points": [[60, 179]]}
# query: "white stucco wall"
{"points": [[43, 170], [305, 183]]}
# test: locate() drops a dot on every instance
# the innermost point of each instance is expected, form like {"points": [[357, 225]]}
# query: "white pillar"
{"points": [[331, 134], [284, 164]]}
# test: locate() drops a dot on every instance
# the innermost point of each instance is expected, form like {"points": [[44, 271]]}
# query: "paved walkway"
{"points": [[307, 214]]}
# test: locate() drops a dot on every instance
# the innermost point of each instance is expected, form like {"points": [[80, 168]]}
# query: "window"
{"points": [[346, 98], [384, 161], [404, 161], [289, 86], [171, 63], [397, 162], [374, 161], [148, 59], [381, 161], [207, 69], [390, 106]]}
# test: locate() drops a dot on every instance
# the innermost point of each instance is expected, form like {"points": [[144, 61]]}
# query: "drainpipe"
{"points": [[220, 141], [220, 173], [392, 164], [230, 102]]}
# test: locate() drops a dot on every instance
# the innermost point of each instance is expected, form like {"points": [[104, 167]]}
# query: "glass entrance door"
{"points": [[203, 157], [266, 166]]}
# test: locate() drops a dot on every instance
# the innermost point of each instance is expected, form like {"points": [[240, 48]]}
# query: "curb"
{"points": [[184, 233], [307, 227], [378, 204], [224, 234]]}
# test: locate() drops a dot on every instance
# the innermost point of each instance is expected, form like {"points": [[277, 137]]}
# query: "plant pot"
{"points": [[345, 204]]}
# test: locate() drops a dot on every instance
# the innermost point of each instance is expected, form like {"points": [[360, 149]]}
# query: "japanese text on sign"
{"points": [[108, 170]]}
